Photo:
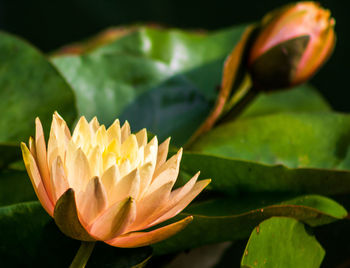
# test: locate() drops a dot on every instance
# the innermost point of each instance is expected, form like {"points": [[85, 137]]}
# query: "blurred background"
{"points": [[51, 24]]}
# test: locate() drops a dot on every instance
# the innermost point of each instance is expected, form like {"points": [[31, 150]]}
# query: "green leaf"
{"points": [[297, 152], [30, 87], [225, 219], [168, 76], [282, 242], [304, 98], [15, 187], [33, 240]]}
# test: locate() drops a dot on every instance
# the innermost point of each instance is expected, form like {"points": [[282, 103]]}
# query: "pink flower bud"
{"points": [[292, 45]]}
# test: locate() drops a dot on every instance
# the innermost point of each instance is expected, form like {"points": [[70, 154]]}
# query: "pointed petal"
{"points": [[109, 180], [92, 201], [151, 151], [128, 185], [35, 178], [125, 168], [40, 148], [146, 173], [78, 171], [58, 178], [125, 131], [101, 137], [113, 132], [32, 147], [142, 137], [168, 172], [67, 218], [162, 153], [197, 188], [114, 220], [94, 124], [150, 205], [140, 239], [82, 133], [130, 149]]}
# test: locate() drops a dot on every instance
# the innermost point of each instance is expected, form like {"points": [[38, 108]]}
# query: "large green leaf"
{"points": [[225, 219], [29, 87], [282, 242], [304, 98], [153, 78], [31, 239], [298, 152]]}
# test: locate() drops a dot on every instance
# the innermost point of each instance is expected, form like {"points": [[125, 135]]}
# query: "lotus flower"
{"points": [[292, 45], [108, 185]]}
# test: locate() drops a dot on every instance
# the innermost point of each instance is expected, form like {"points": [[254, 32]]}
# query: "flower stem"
{"points": [[83, 254]]}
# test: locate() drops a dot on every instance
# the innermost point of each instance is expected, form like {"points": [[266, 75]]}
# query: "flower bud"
{"points": [[291, 46]]}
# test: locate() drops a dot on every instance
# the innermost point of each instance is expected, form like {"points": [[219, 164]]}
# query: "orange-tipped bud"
{"points": [[291, 46]]}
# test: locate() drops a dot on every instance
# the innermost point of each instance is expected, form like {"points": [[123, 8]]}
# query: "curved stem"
{"points": [[83, 254]]}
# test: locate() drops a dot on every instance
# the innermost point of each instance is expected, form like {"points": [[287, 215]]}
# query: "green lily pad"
{"points": [[33, 240], [282, 242], [163, 75], [298, 152], [304, 98], [225, 219], [30, 87]]}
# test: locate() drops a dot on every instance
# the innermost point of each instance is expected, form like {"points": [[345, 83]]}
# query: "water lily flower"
{"points": [[292, 44], [108, 184]]}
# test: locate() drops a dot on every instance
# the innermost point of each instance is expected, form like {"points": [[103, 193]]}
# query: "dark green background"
{"points": [[51, 24]]}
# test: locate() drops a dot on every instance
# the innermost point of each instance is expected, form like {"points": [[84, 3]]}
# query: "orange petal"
{"points": [[78, 169], [67, 218], [168, 172], [92, 201], [128, 185], [149, 205], [58, 178], [162, 153], [35, 178], [140, 239], [114, 220], [175, 209], [40, 147]]}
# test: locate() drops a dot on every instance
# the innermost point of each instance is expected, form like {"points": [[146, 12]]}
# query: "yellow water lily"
{"points": [[108, 184]]}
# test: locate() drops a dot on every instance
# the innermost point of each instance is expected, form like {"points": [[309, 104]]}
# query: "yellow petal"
{"points": [[82, 133], [151, 151], [94, 124], [141, 137], [114, 220], [162, 153], [130, 149], [95, 161], [128, 185], [78, 170], [125, 168], [113, 132], [67, 218], [58, 178], [140, 239], [35, 178], [40, 148], [101, 137], [146, 173], [32, 147], [110, 178], [92, 201], [125, 131]]}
